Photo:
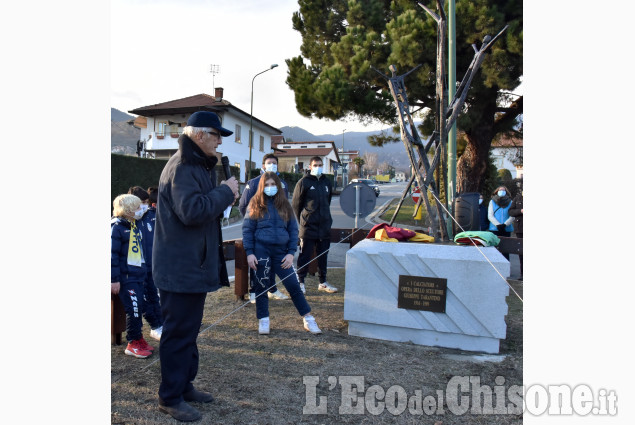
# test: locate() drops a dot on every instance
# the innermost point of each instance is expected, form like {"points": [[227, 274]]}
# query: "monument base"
{"points": [[474, 299]]}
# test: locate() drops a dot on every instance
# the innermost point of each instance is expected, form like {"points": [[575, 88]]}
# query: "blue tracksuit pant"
{"points": [[270, 258], [131, 296]]}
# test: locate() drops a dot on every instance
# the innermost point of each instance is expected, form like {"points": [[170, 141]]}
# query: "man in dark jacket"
{"points": [[312, 207], [269, 163], [187, 255]]}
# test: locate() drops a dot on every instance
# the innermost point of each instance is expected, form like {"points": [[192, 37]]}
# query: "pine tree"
{"points": [[341, 40]]}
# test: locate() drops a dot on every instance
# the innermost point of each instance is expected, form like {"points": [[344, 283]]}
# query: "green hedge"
{"points": [[127, 171]]}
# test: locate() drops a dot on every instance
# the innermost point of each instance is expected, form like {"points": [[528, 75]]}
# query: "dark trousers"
{"points": [[505, 235], [182, 316], [520, 236], [270, 263], [306, 250], [152, 307], [131, 296]]}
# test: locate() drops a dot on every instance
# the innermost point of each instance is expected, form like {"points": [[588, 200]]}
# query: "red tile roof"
{"points": [[191, 104], [507, 142], [305, 152]]}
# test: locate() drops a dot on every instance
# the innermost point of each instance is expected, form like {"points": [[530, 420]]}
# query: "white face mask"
{"points": [[316, 171], [480, 201], [138, 214], [271, 167], [501, 193], [144, 208], [271, 190]]}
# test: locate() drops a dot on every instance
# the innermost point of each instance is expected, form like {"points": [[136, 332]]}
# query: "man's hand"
{"points": [[287, 261], [115, 287], [252, 261], [233, 185]]}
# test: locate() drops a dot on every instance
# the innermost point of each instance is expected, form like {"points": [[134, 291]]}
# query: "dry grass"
{"points": [[259, 379]]}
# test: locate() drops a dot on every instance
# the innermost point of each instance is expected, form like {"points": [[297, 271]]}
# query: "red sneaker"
{"points": [[144, 345], [134, 349]]}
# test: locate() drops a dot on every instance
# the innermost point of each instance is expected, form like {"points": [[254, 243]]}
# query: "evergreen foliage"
{"points": [[341, 40]]}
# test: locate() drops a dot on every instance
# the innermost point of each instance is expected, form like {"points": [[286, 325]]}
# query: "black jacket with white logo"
{"points": [[312, 206]]}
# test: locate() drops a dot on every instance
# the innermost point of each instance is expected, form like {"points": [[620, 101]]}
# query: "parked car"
{"points": [[368, 182]]}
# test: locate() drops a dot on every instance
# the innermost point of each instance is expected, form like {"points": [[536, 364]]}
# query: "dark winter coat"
{"points": [[250, 191], [187, 256], [120, 270], [270, 229], [514, 211], [312, 206], [148, 223], [482, 213]]}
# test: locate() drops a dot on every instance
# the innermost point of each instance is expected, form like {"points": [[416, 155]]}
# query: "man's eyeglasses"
{"points": [[213, 133]]}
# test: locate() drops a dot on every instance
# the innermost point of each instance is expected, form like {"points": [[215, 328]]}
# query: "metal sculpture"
{"points": [[445, 116]]}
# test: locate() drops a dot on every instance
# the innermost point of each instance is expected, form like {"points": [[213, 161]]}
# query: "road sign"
{"points": [[415, 195]]}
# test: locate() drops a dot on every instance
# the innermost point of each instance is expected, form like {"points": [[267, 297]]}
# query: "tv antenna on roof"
{"points": [[214, 69]]}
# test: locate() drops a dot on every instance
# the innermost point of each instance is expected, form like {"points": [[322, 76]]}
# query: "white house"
{"points": [[164, 123], [295, 156], [508, 153]]}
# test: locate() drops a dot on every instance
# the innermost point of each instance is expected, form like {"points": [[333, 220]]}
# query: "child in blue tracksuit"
{"points": [[152, 307], [128, 269], [270, 238]]}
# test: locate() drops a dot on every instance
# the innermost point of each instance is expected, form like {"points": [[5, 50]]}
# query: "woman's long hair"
{"points": [[258, 204]]}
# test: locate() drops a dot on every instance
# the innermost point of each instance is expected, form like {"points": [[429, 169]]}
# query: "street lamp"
{"points": [[251, 121]]}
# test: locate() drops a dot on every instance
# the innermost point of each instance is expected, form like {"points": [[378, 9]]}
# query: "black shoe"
{"points": [[182, 412], [198, 396]]}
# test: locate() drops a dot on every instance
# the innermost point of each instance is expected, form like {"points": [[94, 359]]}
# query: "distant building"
{"points": [[294, 157], [163, 123], [508, 153]]}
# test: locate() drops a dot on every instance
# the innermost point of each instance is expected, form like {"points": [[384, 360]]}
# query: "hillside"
{"points": [[123, 136]]}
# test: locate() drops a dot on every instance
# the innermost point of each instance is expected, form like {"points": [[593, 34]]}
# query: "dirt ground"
{"points": [[259, 379]]}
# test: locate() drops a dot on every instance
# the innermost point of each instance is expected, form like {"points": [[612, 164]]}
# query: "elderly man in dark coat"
{"points": [[187, 256]]}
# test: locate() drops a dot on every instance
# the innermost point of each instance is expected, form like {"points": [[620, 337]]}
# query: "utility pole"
{"points": [[451, 189]]}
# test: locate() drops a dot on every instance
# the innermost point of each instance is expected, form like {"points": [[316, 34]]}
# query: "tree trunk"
{"points": [[472, 165]]}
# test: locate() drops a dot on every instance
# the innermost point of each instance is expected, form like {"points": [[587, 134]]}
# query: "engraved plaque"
{"points": [[422, 293]]}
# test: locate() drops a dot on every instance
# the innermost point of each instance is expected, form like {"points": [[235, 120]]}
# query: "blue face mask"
{"points": [[316, 171], [271, 190], [501, 193]]}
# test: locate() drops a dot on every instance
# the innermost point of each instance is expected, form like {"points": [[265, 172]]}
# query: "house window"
{"points": [[321, 146], [238, 134], [286, 147], [262, 143], [303, 147], [161, 126]]}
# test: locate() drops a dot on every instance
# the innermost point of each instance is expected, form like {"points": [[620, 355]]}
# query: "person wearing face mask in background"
{"points": [[500, 222], [269, 164], [312, 207], [128, 269], [270, 238], [516, 211], [482, 211], [151, 304]]}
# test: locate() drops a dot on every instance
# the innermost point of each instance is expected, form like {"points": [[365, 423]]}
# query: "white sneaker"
{"points": [[263, 326], [156, 333], [277, 295], [252, 297], [302, 288], [326, 287], [310, 325]]}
